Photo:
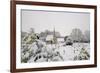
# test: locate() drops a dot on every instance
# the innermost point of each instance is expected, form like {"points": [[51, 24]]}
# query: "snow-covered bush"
{"points": [[84, 55], [35, 50]]}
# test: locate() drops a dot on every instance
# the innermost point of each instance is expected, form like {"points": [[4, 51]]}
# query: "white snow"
{"points": [[56, 52]]}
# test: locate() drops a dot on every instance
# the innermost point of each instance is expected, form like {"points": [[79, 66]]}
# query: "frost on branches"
{"points": [[35, 48]]}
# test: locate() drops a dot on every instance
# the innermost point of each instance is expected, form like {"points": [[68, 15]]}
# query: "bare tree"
{"points": [[31, 30], [87, 36], [76, 35]]}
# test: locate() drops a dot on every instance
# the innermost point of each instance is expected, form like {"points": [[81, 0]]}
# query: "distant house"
{"points": [[50, 36], [60, 39], [49, 39], [43, 38]]}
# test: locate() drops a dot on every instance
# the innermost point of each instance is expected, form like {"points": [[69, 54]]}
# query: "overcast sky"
{"points": [[63, 22]]}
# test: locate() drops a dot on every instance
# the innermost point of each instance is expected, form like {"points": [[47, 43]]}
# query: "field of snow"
{"points": [[43, 52]]}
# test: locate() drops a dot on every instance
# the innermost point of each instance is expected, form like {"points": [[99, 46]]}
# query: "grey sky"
{"points": [[63, 22]]}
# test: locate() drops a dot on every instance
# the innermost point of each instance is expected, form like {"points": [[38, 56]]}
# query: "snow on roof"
{"points": [[60, 39], [49, 37]]}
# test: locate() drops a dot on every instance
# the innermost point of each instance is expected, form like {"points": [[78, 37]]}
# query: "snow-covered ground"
{"points": [[42, 52]]}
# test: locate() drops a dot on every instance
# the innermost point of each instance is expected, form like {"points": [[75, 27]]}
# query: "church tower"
{"points": [[54, 36]]}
